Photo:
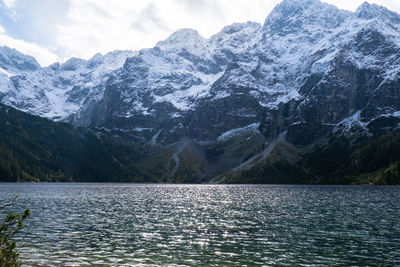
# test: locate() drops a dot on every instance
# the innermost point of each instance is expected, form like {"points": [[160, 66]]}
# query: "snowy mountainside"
{"points": [[308, 71], [304, 38], [59, 90], [158, 87], [311, 71], [13, 61], [315, 63]]}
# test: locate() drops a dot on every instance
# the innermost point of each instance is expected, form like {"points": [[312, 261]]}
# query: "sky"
{"points": [[55, 30]]}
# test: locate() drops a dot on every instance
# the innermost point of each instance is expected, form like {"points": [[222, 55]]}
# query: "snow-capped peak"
{"points": [[298, 4], [11, 59], [292, 15], [188, 39], [59, 90], [373, 11], [237, 27], [72, 64], [236, 37]]}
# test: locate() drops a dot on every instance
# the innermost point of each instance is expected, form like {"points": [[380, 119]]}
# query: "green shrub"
{"points": [[12, 224]]}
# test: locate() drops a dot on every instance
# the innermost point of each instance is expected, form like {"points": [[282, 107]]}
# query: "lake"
{"points": [[191, 225]]}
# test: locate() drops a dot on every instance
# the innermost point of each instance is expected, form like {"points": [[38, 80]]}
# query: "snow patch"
{"points": [[220, 95], [252, 128], [348, 123], [140, 129], [155, 137], [3, 71], [183, 99], [283, 98]]}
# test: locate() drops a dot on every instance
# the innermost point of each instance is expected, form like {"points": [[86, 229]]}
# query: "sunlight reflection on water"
{"points": [[119, 224]]}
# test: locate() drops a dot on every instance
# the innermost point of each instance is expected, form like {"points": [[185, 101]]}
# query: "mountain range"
{"points": [[303, 98]]}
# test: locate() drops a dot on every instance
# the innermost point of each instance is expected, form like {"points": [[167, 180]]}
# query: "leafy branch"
{"points": [[12, 224]]}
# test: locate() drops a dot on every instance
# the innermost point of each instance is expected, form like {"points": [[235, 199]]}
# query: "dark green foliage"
{"points": [[391, 175], [325, 160], [338, 160], [378, 153], [12, 224], [368, 161], [279, 172], [36, 149]]}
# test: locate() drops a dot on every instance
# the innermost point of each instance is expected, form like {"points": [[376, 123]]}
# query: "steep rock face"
{"points": [[343, 70], [160, 87]]}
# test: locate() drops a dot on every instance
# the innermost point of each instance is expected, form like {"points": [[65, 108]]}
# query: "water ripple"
{"points": [[191, 225]]}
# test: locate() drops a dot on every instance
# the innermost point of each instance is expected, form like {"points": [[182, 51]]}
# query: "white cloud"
{"points": [[2, 30], [93, 26], [9, 3], [42, 55], [353, 4], [102, 25]]}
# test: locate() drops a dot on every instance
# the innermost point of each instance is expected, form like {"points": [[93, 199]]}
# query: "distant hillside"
{"points": [[37, 149], [335, 160]]}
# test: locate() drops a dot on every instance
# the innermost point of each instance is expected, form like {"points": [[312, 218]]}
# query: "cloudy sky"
{"points": [[54, 30]]}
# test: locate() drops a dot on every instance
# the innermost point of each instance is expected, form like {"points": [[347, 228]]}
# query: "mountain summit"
{"points": [[291, 16], [12, 60], [373, 11]]}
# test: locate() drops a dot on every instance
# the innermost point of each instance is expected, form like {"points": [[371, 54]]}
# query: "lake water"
{"points": [[120, 224]]}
